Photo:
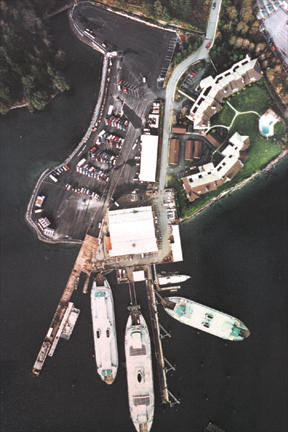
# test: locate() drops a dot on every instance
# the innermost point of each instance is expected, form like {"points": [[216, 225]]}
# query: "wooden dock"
{"points": [[85, 262], [157, 336]]}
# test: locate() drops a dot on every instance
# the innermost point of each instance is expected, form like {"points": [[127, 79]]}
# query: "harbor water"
{"points": [[235, 252]]}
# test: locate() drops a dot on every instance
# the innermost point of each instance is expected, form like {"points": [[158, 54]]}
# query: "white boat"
{"points": [[205, 318], [139, 374], [171, 279], [104, 331]]}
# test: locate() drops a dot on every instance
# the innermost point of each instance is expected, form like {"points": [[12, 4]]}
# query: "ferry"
{"points": [[104, 330], [172, 279], [205, 318], [139, 374]]}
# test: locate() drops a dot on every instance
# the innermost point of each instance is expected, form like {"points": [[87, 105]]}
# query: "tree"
{"points": [[165, 14], [60, 83], [158, 9], [246, 12], [242, 27], [39, 99], [232, 13]]}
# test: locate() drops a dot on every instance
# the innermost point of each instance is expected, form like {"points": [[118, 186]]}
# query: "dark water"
{"points": [[236, 254]]}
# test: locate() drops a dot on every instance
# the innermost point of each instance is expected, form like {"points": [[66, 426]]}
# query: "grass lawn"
{"points": [[251, 98], [260, 153], [223, 117]]}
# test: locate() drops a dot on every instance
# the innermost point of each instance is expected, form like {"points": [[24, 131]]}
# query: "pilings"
{"points": [[157, 337]]}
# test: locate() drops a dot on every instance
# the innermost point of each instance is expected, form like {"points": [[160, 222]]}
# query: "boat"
{"points": [[104, 330], [139, 374], [205, 318], [172, 278]]}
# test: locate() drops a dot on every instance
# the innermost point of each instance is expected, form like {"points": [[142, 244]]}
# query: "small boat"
{"points": [[139, 374], [104, 330], [171, 279], [205, 318]]}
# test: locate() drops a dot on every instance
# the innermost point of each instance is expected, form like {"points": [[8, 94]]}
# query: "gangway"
{"points": [[163, 332], [169, 366], [173, 400]]}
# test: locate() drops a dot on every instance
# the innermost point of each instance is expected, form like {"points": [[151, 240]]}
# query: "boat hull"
{"points": [[172, 279], [206, 319], [104, 332], [139, 374]]}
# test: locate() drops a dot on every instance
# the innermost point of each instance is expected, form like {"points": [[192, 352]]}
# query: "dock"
{"points": [[61, 321], [156, 333]]}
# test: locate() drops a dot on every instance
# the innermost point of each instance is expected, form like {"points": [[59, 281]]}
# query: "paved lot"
{"points": [[144, 47]]}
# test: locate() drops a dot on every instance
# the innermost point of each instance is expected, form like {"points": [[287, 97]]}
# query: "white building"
{"points": [[148, 163], [209, 176], [132, 231], [176, 244], [214, 90]]}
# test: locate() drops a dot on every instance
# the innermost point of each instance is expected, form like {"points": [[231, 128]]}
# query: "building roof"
{"points": [[189, 149], [132, 231], [176, 245], [174, 151], [239, 141], [197, 149], [209, 176], [214, 90], [148, 163], [178, 130], [212, 140]]}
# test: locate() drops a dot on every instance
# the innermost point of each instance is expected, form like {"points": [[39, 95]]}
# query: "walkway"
{"points": [[237, 113]]}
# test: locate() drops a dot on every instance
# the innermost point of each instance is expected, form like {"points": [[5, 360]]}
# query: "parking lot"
{"points": [[147, 50], [79, 191]]}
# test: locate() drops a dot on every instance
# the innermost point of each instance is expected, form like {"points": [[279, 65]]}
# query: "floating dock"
{"points": [[64, 330]]}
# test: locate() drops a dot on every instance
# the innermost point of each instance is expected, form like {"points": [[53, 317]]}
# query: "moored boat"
{"points": [[205, 318], [104, 331], [139, 374], [172, 279]]}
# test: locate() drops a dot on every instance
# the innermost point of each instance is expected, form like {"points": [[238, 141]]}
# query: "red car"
{"points": [[208, 45]]}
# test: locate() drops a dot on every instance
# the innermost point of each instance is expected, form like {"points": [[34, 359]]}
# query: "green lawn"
{"points": [[224, 116], [261, 151], [251, 98]]}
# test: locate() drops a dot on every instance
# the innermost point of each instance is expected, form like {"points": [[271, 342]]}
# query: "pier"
{"points": [[57, 326], [156, 336]]}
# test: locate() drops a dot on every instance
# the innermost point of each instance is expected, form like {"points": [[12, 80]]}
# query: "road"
{"points": [[200, 54]]}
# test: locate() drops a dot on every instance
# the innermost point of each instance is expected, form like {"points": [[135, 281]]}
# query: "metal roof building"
{"points": [[148, 164], [132, 231]]}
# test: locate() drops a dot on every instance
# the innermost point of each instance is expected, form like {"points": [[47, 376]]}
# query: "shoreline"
{"points": [[96, 117], [94, 120], [237, 187]]}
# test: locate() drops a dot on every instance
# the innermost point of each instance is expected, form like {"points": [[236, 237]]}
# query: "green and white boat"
{"points": [[205, 318], [104, 331]]}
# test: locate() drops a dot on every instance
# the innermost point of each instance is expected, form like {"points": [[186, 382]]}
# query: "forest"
{"points": [[239, 34], [31, 68], [181, 12]]}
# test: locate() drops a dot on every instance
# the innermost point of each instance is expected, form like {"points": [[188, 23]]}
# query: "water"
{"points": [[236, 254]]}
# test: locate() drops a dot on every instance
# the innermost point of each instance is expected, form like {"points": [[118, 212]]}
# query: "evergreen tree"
{"points": [[158, 9]]}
